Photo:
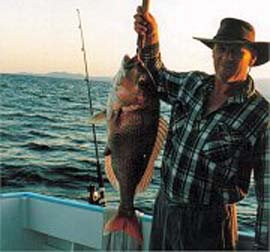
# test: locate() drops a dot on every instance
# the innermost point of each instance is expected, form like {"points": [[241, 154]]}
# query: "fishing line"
{"points": [[94, 197]]}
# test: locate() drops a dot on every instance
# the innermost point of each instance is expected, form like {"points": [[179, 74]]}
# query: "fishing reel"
{"points": [[96, 197]]}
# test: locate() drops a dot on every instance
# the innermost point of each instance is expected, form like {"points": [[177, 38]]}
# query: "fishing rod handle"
{"points": [[141, 38], [145, 5]]}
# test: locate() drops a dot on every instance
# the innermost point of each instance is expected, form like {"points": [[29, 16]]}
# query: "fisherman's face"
{"points": [[232, 62]]}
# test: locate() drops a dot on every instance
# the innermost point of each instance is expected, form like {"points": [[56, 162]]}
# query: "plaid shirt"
{"points": [[208, 159]]}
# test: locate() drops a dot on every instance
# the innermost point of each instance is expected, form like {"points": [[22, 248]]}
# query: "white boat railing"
{"points": [[31, 221]]}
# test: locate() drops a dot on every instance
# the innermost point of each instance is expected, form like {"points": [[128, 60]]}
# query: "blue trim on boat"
{"points": [[68, 202], [147, 218], [73, 203], [250, 235], [52, 199], [13, 195]]}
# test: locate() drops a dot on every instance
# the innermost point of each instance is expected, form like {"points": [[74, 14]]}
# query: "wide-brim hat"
{"points": [[237, 31]]}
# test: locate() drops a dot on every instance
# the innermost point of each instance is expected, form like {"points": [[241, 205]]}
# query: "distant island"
{"points": [[75, 76], [65, 75]]}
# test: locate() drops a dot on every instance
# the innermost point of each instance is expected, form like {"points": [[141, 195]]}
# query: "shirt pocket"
{"points": [[222, 145]]}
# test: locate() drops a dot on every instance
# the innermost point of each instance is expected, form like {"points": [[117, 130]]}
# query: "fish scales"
{"points": [[135, 137], [132, 128]]}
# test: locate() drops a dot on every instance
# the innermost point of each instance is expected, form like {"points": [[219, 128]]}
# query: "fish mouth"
{"points": [[134, 70], [129, 63]]}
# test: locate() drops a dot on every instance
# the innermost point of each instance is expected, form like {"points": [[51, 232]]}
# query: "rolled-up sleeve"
{"points": [[262, 183]]}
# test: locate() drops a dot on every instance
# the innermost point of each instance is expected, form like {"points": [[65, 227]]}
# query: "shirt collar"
{"points": [[244, 92], [241, 94]]}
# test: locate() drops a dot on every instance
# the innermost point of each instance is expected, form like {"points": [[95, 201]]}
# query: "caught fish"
{"points": [[135, 136]]}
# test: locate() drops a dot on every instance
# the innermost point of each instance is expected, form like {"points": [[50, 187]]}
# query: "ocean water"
{"points": [[47, 143]]}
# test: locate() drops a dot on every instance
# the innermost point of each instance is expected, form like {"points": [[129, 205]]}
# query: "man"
{"points": [[218, 134]]}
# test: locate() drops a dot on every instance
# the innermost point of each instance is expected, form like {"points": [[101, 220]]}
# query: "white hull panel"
{"points": [[31, 221]]}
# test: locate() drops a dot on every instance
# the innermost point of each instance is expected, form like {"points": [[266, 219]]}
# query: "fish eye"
{"points": [[141, 83]]}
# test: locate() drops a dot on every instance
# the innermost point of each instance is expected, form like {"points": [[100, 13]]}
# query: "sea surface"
{"points": [[47, 142]]}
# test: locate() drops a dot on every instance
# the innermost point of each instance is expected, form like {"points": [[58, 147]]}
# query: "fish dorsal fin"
{"points": [[110, 172], [99, 118], [161, 136]]}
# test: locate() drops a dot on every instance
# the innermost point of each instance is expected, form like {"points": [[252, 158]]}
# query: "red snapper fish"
{"points": [[135, 137]]}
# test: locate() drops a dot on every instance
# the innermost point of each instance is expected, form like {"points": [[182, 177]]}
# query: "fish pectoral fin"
{"points": [[110, 172], [160, 139], [130, 226], [99, 118]]}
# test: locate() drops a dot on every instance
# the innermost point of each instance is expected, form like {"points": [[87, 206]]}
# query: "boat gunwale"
{"points": [[67, 202], [78, 204]]}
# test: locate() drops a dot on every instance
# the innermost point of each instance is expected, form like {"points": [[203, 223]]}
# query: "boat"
{"points": [[33, 221]]}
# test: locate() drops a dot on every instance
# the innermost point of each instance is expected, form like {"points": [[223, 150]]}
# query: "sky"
{"points": [[40, 36]]}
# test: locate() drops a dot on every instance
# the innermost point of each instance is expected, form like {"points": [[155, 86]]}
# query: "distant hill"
{"points": [[74, 76], [66, 75], [63, 75]]}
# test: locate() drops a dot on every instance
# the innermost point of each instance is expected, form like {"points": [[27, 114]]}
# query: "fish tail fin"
{"points": [[128, 225]]}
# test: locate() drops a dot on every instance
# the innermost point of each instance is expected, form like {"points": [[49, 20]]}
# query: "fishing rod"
{"points": [[141, 38], [141, 42], [94, 196]]}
